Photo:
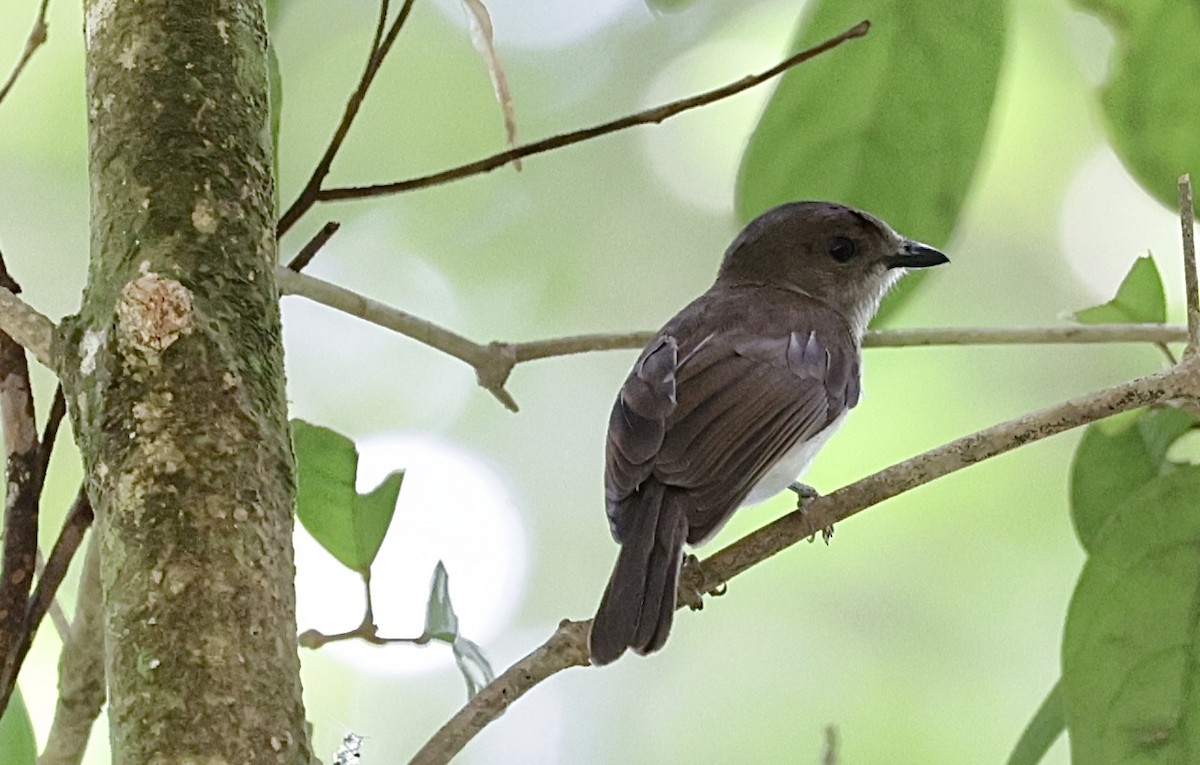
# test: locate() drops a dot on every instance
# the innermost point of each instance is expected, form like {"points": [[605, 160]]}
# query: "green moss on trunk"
{"points": [[175, 380]]}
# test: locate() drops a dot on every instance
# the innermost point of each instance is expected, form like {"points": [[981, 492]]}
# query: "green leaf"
{"points": [[1140, 299], [1131, 645], [17, 744], [441, 623], [1150, 105], [1043, 730], [1110, 466], [892, 123], [349, 525]]}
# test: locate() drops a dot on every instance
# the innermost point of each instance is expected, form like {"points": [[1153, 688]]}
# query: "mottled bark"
{"points": [[174, 374]]}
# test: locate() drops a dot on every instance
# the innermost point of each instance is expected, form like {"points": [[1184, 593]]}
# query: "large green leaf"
{"points": [[349, 525], [1131, 679], [1043, 730], [1151, 103], [892, 123], [1139, 300], [17, 745], [1110, 465]]}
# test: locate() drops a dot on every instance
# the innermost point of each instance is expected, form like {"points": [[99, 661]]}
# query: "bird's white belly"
{"points": [[789, 467]]}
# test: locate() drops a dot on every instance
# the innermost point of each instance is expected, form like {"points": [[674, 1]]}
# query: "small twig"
{"points": [[1186, 215], [379, 51], [58, 410], [654, 115], [309, 251], [58, 617], [568, 646], [37, 36], [80, 671]]}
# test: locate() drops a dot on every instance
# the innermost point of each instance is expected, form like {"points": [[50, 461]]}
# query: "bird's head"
{"points": [[841, 256]]}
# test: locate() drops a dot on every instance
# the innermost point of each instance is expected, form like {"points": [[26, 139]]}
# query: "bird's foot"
{"points": [[693, 581], [804, 495]]}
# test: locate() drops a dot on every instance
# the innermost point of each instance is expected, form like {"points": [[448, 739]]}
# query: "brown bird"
{"points": [[732, 398]]}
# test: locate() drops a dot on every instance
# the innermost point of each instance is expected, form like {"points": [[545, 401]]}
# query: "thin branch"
{"points": [[478, 356], [80, 671], [568, 646], [37, 36], [30, 329], [1186, 215], [379, 51], [494, 362], [310, 250], [654, 115]]}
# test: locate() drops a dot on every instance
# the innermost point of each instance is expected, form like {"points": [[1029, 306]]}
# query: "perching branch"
{"points": [[37, 36], [33, 331], [654, 115], [568, 646]]}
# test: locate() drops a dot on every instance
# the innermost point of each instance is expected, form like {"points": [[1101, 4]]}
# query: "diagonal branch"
{"points": [[567, 647], [380, 46], [654, 115], [37, 36]]}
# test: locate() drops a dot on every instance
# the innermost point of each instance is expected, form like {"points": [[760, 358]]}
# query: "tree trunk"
{"points": [[175, 380]]}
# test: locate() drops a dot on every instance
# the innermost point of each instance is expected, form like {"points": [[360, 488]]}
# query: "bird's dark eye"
{"points": [[841, 249]]}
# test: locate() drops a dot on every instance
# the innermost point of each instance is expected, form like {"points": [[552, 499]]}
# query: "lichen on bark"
{"points": [[174, 372]]}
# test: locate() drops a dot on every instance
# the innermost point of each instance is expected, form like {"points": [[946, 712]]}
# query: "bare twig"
{"points": [[379, 50], [80, 671], [37, 36], [1186, 216], [656, 114], [310, 250], [58, 617], [568, 646]]}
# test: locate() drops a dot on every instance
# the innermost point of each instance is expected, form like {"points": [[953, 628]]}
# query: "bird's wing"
{"points": [[718, 418]]}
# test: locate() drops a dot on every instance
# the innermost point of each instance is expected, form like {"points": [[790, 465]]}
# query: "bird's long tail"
{"points": [[639, 601]]}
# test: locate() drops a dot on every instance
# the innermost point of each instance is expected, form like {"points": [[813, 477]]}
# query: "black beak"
{"points": [[916, 255]]}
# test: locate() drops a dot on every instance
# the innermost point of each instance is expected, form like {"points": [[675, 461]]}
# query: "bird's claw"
{"points": [[692, 580], [804, 495]]}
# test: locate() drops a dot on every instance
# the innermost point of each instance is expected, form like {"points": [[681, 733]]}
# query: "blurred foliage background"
{"points": [[927, 632]]}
